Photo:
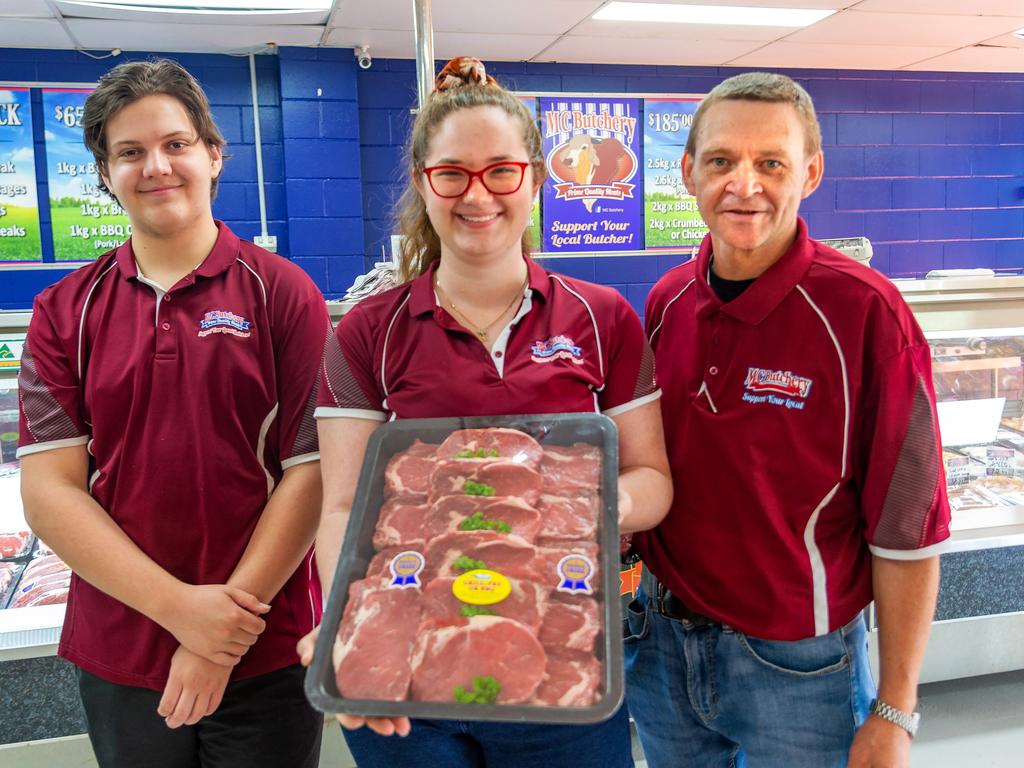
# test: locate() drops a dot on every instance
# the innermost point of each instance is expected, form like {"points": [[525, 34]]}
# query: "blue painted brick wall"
{"points": [[322, 176], [226, 82], [929, 166]]}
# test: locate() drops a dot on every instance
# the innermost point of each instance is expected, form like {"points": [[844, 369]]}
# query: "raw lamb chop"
{"points": [[568, 518], [570, 622], [525, 604], [571, 470], [448, 513], [570, 680], [408, 473], [495, 444], [506, 479], [450, 654], [400, 524], [374, 642]]}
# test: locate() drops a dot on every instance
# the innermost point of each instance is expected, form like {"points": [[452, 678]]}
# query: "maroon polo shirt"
{"points": [[192, 404], [802, 436], [573, 347]]}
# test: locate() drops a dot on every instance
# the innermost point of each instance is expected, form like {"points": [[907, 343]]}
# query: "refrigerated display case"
{"points": [[31, 609], [975, 328]]}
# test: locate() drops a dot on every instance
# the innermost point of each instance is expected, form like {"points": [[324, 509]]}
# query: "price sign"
{"points": [[19, 211], [671, 218], [86, 221]]}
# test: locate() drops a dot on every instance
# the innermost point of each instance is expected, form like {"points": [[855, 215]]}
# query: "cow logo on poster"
{"points": [[588, 166]]}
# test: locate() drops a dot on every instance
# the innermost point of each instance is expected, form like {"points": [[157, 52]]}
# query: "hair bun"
{"points": [[460, 71]]}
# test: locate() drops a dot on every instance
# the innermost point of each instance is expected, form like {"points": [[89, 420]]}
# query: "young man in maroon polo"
{"points": [[169, 453], [801, 430]]}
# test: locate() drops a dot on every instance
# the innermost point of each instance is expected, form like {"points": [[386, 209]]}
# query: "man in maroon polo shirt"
{"points": [[801, 431], [169, 453]]}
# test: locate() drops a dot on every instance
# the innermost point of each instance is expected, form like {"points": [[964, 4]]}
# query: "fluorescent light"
{"points": [[213, 6], [711, 14]]}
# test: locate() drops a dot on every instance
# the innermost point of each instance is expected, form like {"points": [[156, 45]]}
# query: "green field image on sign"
{"points": [[534, 226], [83, 238], [25, 248], [672, 221]]}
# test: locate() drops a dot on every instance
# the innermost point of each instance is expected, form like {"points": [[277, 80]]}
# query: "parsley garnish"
{"points": [[479, 453], [472, 488], [477, 522], [475, 610], [463, 563], [485, 691]]}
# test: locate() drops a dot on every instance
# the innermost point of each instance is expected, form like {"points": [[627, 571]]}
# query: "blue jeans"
{"points": [[464, 744], [711, 697]]}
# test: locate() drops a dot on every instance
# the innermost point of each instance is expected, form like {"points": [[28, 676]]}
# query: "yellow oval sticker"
{"points": [[481, 587]]}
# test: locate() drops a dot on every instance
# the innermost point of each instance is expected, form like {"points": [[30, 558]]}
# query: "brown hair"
{"points": [[462, 84], [127, 83], [762, 86]]}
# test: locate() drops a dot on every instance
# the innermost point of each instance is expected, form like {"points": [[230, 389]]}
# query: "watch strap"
{"points": [[908, 721]]}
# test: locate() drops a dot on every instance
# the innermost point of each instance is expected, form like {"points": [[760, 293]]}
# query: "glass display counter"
{"points": [[975, 328]]}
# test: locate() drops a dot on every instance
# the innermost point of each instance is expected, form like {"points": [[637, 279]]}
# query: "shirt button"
{"points": [[166, 326], [713, 370], [497, 353], [167, 297], [715, 341]]}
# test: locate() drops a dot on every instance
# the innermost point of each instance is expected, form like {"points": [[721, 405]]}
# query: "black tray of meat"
{"points": [[479, 575]]}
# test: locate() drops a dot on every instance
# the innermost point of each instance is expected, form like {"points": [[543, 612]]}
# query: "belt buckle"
{"points": [[661, 599]]}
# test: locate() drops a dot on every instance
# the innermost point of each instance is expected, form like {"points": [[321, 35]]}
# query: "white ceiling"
{"points": [[939, 35]]}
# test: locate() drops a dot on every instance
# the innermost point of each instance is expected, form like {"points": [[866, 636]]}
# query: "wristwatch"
{"points": [[907, 721]]}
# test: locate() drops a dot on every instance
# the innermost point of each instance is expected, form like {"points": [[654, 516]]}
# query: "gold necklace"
{"points": [[481, 331]]}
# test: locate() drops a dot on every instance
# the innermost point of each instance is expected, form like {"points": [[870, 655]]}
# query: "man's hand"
{"points": [[880, 744], [215, 621], [385, 726], [194, 689]]}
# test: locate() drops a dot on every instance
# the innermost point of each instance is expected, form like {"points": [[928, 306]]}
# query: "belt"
{"points": [[671, 605]]}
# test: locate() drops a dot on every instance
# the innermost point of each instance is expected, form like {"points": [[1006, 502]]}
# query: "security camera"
{"points": [[363, 57]]}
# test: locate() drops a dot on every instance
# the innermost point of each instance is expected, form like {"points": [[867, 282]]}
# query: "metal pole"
{"points": [[259, 145], [423, 31]]}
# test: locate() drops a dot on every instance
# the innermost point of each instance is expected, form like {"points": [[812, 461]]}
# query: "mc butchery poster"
{"points": [[592, 201]]}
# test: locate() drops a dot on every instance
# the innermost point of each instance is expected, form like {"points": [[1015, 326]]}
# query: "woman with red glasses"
{"points": [[468, 334]]}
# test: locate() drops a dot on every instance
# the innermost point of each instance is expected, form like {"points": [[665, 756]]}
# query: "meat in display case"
{"points": [[34, 582], [979, 387], [478, 578], [30, 574]]}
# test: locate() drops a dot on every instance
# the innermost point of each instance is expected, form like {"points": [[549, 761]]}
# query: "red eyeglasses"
{"points": [[502, 178]]}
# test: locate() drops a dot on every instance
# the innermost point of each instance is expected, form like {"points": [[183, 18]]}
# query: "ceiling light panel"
{"points": [[659, 13], [217, 6]]}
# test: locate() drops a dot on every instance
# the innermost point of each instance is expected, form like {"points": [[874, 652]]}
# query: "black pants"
{"points": [[263, 722]]}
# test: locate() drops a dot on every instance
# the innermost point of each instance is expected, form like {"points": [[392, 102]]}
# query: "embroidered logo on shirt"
{"points": [[556, 348], [222, 321], [765, 385]]}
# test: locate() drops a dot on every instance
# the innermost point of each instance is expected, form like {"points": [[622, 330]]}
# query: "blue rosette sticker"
{"points": [[574, 572], [405, 570]]}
